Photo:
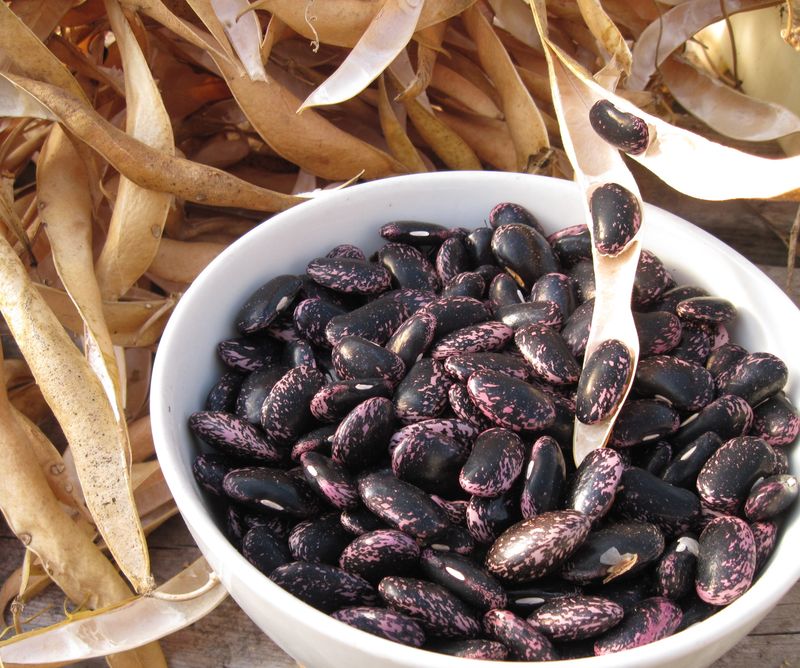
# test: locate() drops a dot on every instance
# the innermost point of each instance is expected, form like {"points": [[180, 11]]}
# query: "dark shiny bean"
{"points": [[332, 482], [452, 259], [526, 599], [683, 469], [349, 276], [572, 244], [462, 365], [383, 623], [558, 288], [324, 587], [354, 358], [264, 550], [676, 569], [361, 520], [488, 650], [335, 400], [452, 313], [487, 517], [264, 488], [465, 284], [603, 381], [650, 620], [479, 246], [642, 421], [222, 396], [727, 416], [504, 291], [209, 469], [362, 437], [582, 274], [249, 353], [545, 476], [594, 487], [776, 420], [376, 554], [346, 250], [409, 268], [654, 458], [410, 341], [530, 313], [523, 641], [376, 321], [686, 386], [265, 304], [616, 218], [659, 332], [415, 233], [548, 354], [625, 131], [724, 357], [755, 377], [576, 328], [726, 562], [319, 540], [576, 617], [311, 317], [770, 497], [464, 578], [651, 279], [465, 409], [233, 436], [422, 394], [765, 534], [507, 213], [510, 403], [316, 440], [494, 463], [298, 353], [644, 496], [706, 310], [286, 413], [431, 462], [524, 253], [695, 344], [483, 337], [457, 429]]}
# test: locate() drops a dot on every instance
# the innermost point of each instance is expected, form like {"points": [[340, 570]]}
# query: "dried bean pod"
{"points": [[726, 478], [530, 313], [349, 276], [644, 496], [487, 518], [650, 620], [376, 554], [248, 353], [625, 131], [262, 488], [286, 413], [683, 469], [493, 465], [383, 623], [687, 386], [770, 497], [264, 550], [335, 400], [576, 617], [464, 408], [676, 569], [452, 259], [412, 338], [232, 436], [464, 578], [548, 354], [727, 416], [409, 268], [324, 587], [659, 332], [401, 505], [776, 421], [452, 313], [572, 244], [415, 233], [209, 469], [462, 365], [537, 546], [558, 288], [319, 540], [465, 284], [725, 357], [431, 462], [422, 394], [755, 377], [616, 218], [595, 484], [354, 358], [524, 253], [375, 322], [619, 548], [439, 612], [603, 381], [726, 563], [332, 482], [545, 476], [488, 650], [362, 437], [509, 402], [523, 641], [222, 396], [265, 304], [642, 421], [706, 310]]}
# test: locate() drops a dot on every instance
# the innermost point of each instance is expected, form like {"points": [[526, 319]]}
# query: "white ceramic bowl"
{"points": [[186, 367]]}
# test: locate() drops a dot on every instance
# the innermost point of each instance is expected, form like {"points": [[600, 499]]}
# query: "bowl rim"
{"points": [[753, 605]]}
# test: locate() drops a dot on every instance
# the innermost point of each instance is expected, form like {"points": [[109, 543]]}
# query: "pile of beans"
{"points": [[392, 440]]}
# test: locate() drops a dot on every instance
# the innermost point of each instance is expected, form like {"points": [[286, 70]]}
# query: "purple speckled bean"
{"points": [[412, 338], [317, 440], [375, 321], [727, 416], [324, 587], [264, 305], [286, 413], [209, 469], [383, 623], [616, 218], [319, 540], [335, 400], [346, 250], [222, 396], [676, 569], [603, 381], [625, 131], [506, 213], [332, 482], [765, 535], [452, 313], [770, 497], [454, 539], [462, 576], [439, 612], [465, 409], [376, 554], [264, 550], [465, 284], [311, 316], [659, 332], [723, 358], [494, 463], [451, 259], [422, 394], [409, 268], [545, 475], [510, 403], [537, 546], [541, 312], [695, 344], [687, 386], [755, 377], [415, 233], [354, 357], [547, 353], [349, 275], [232, 436], [649, 620], [487, 517], [523, 641], [456, 510], [462, 365], [706, 309], [483, 337], [776, 421], [431, 462], [595, 484], [362, 437], [248, 353], [401, 505], [651, 279], [726, 563], [457, 429], [487, 650], [576, 617]]}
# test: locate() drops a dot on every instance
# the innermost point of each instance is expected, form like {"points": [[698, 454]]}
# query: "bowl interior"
{"points": [[186, 367]]}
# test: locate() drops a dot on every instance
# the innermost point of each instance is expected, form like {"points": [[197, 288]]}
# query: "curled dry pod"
{"points": [[412, 338], [264, 550], [375, 321], [463, 365], [264, 305], [627, 132], [595, 484], [776, 420], [755, 377], [361, 438], [401, 505], [619, 548], [331, 482], [706, 310], [576, 617], [616, 218], [644, 496], [232, 436], [727, 416], [726, 563], [548, 354], [438, 611], [462, 576], [422, 394], [286, 413], [409, 268], [487, 650], [349, 276], [649, 620], [510, 403], [506, 213], [676, 569], [311, 318], [355, 357], [319, 540], [335, 400], [659, 332], [726, 478], [524, 253], [545, 476], [493, 465], [537, 546], [262, 488], [431, 462], [523, 641], [324, 587], [686, 386], [376, 554], [383, 623], [483, 337], [770, 497], [603, 381]]}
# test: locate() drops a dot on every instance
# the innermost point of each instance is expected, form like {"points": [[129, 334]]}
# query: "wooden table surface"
{"points": [[227, 638]]}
